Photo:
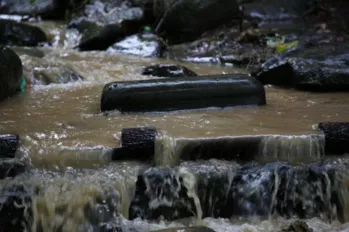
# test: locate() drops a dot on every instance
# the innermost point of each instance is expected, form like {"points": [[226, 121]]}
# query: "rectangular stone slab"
{"points": [[183, 93]]}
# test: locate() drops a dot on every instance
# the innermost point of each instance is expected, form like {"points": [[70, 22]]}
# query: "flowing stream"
{"points": [[67, 140]]}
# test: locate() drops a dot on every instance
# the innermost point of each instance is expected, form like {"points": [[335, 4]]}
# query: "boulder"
{"points": [[20, 34], [307, 72], [11, 72], [186, 20], [16, 208], [98, 14], [106, 37], [168, 70], [47, 9]]}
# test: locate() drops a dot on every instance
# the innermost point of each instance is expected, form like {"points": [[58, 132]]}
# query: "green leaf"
{"points": [[32, 1]]}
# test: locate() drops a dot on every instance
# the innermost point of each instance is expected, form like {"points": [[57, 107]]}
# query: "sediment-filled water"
{"points": [[68, 142]]}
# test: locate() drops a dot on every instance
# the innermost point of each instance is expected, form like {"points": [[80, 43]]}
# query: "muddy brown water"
{"points": [[66, 138]]}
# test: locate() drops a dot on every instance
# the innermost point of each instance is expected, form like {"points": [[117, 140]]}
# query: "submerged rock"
{"points": [[20, 34], [55, 75], [48, 9], [16, 208], [144, 45], [38, 71], [168, 70], [29, 51], [11, 72], [186, 20]]}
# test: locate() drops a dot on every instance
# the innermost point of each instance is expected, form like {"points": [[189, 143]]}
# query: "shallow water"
{"points": [[66, 138]]}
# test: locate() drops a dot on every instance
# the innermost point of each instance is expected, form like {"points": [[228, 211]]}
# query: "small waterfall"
{"points": [[166, 193], [248, 191], [75, 200], [165, 150], [189, 181], [263, 148], [293, 149]]}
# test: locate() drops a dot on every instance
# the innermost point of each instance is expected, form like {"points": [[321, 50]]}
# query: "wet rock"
{"points": [[15, 208], [98, 14], [20, 34], [321, 74], [47, 9], [11, 168], [11, 72], [168, 70], [186, 20], [106, 37], [298, 226], [187, 229], [38, 71], [164, 193], [221, 47], [212, 190], [336, 137], [244, 197], [274, 13], [8, 145], [304, 191], [144, 45], [137, 144], [56, 75]]}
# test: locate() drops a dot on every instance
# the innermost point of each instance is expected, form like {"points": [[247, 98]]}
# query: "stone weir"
{"points": [[150, 144], [304, 191], [292, 176]]}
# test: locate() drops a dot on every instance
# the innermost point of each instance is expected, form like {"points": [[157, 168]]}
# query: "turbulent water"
{"points": [[68, 141]]}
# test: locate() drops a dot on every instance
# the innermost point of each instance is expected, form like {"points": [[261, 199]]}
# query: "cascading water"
{"points": [[71, 184], [293, 149]]}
